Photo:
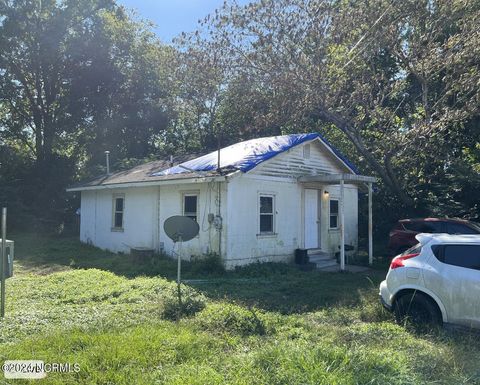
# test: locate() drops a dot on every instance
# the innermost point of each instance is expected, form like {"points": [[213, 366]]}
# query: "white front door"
{"points": [[311, 219]]}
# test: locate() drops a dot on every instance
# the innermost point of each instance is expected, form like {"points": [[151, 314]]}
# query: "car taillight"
{"points": [[398, 261]]}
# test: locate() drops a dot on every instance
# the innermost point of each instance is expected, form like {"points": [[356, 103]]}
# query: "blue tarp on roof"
{"points": [[246, 155]]}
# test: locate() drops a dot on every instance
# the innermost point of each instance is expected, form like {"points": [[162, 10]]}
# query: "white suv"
{"points": [[436, 281]]}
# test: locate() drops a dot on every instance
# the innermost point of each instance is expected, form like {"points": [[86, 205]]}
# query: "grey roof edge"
{"points": [[156, 182]]}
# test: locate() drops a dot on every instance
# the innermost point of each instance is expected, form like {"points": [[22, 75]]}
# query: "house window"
{"points": [[334, 213], [118, 210], [267, 214], [190, 206]]}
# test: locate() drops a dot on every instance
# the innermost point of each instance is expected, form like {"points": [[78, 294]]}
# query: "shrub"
{"points": [[210, 263], [263, 270], [359, 259], [234, 319], [191, 303]]}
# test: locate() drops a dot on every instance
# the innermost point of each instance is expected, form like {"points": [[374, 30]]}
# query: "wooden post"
{"points": [[370, 225], [342, 227]]}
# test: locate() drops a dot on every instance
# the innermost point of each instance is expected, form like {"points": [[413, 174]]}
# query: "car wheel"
{"points": [[418, 310]]}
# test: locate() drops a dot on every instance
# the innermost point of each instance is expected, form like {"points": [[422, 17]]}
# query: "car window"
{"points": [[425, 227], [413, 226], [467, 256], [459, 228], [434, 227]]}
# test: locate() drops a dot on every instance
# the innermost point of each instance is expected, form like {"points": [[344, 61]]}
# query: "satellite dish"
{"points": [[180, 228]]}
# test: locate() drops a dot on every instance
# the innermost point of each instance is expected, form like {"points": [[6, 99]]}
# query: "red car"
{"points": [[403, 234]]}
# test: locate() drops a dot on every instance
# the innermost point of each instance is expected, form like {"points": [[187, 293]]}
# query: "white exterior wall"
{"points": [[139, 219], [144, 217], [171, 199], [244, 243]]}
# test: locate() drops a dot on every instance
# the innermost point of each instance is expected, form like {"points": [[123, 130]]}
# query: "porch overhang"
{"points": [[342, 179]]}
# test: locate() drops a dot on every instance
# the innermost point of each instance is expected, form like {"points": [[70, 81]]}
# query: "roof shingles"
{"points": [[241, 156]]}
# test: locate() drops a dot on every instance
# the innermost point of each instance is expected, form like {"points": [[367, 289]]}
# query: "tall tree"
{"points": [[77, 77], [394, 77], [41, 94]]}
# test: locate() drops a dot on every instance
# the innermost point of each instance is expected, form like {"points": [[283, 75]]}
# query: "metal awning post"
{"points": [[370, 225], [342, 227]]}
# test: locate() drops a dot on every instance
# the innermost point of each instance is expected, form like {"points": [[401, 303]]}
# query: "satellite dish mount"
{"points": [[180, 229]]}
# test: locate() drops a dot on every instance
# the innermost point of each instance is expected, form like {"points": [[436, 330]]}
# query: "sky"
{"points": [[173, 16]]}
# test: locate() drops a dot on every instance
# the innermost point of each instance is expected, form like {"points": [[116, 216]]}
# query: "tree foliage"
{"points": [[393, 84], [78, 78], [398, 79]]}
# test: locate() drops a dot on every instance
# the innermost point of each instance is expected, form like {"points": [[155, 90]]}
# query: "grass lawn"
{"points": [[264, 324]]}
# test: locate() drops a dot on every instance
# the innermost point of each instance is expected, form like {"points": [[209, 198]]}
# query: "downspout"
{"points": [[158, 222], [219, 214], [219, 171], [95, 222]]}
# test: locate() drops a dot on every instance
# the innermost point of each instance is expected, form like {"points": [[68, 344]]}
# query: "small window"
{"points": [[190, 206], [334, 213], [306, 151], [467, 256], [266, 214], [118, 210]]}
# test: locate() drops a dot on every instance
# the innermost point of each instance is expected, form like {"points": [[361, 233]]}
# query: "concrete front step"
{"points": [[325, 264], [319, 257], [314, 251]]}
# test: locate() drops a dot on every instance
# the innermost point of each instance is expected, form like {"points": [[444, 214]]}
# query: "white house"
{"points": [[269, 197]]}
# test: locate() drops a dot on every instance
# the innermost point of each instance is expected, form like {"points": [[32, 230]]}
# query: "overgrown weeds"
{"points": [[264, 324]]}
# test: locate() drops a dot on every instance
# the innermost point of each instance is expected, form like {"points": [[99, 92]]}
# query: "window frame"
{"points": [[191, 194], [115, 211], [337, 214], [272, 214]]}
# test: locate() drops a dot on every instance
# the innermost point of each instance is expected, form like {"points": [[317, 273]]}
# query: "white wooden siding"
{"points": [[292, 164]]}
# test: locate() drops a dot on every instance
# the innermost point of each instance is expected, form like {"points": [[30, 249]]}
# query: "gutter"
{"points": [[148, 184]]}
